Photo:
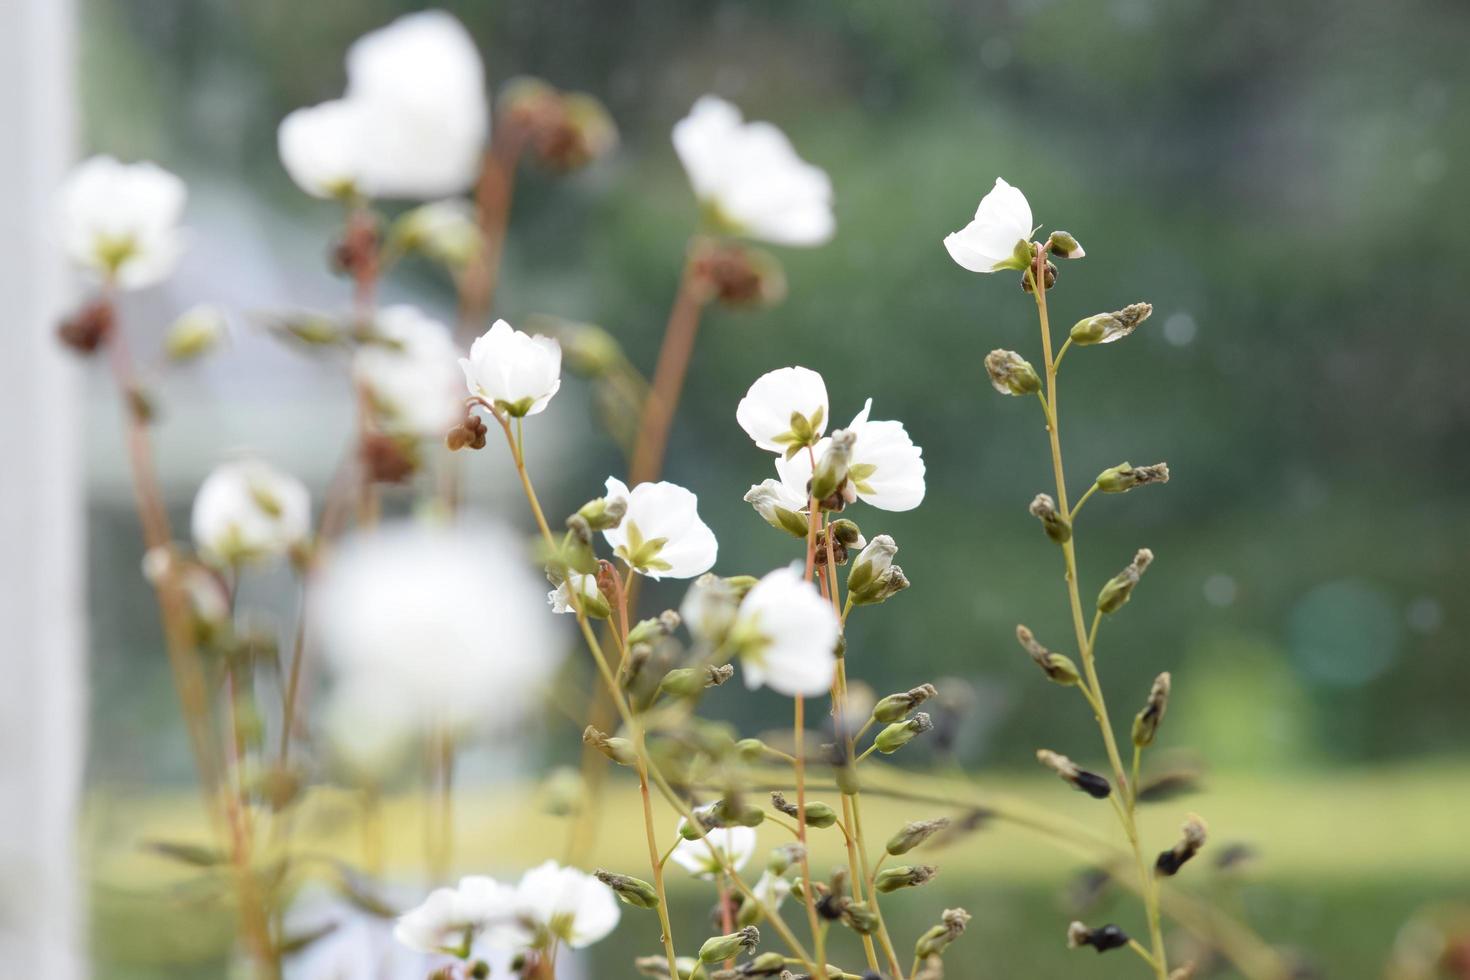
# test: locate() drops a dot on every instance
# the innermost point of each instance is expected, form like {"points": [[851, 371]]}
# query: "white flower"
{"points": [[321, 147], [444, 618], [748, 176], [787, 634], [661, 534], [593, 602], [408, 370], [767, 410], [247, 510], [703, 857], [412, 124], [770, 890], [424, 85], [566, 905], [886, 468], [1002, 222], [513, 371], [452, 920], [121, 221]]}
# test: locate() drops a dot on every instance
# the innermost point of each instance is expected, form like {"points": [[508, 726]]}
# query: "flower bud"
{"points": [[588, 349], [1101, 939], [443, 230], [860, 918], [783, 857], [1104, 328], [1011, 374], [656, 967], [831, 471], [470, 434], [1126, 476], [901, 733], [1057, 667], [618, 749], [841, 537], [887, 585], [1194, 833], [766, 499], [1146, 722], [653, 630], [730, 812], [911, 835], [937, 939], [818, 814], [603, 514], [718, 948], [1119, 589], [892, 879], [896, 707], [588, 598], [1090, 783], [739, 275], [1064, 246], [1050, 278], [87, 329], [196, 333], [633, 891], [1053, 522], [871, 563], [689, 682]]}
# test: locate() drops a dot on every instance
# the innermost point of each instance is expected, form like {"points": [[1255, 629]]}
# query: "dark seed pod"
{"points": [[1093, 785]]}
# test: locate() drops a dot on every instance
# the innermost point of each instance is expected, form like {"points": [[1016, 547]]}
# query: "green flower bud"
{"points": [[1104, 328], [911, 835], [901, 733], [1064, 246], [1057, 667], [896, 707], [1119, 589], [633, 891], [831, 471], [619, 750], [737, 813], [689, 682], [892, 879], [1053, 522], [196, 333], [937, 939], [766, 499], [860, 918], [603, 514], [719, 948], [1011, 374], [1126, 476], [766, 965], [653, 630], [1146, 723]]}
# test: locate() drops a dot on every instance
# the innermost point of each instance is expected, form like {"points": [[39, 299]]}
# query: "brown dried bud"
{"points": [[1050, 278], [1146, 722], [469, 434], [1194, 832], [86, 329], [386, 459], [739, 275], [356, 253]]}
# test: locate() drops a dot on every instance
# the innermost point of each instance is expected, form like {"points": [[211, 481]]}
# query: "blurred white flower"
{"points": [[708, 609], [359, 946], [786, 634], [321, 147], [454, 920], [248, 510], [120, 221], [566, 905], [514, 371], [770, 890], [1002, 222], [768, 409], [444, 618], [443, 230], [408, 370], [886, 468], [424, 85], [412, 124], [749, 178], [209, 599], [702, 857], [661, 534]]}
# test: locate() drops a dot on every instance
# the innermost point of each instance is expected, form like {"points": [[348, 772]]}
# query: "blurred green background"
{"points": [[1282, 182]]}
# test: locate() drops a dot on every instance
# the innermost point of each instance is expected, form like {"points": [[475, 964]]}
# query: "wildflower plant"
{"points": [[429, 627]]}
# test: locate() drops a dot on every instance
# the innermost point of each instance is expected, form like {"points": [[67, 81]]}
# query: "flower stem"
{"points": [[1085, 637]]}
